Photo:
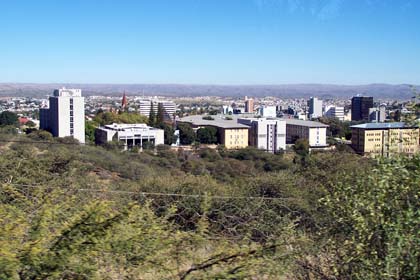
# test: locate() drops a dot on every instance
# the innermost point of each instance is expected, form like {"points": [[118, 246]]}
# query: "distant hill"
{"points": [[402, 91]]}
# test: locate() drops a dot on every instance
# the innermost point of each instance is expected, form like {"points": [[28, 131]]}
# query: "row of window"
{"points": [[71, 117]]}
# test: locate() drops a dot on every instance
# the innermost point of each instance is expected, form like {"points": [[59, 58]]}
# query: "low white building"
{"points": [[130, 135], [314, 132], [266, 134]]}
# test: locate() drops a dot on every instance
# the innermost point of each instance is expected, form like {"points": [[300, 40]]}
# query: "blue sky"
{"points": [[210, 41]]}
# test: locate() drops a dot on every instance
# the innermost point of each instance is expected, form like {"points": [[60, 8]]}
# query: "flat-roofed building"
{"points": [[314, 132], [315, 108], [335, 112], [266, 134], [65, 115], [385, 139], [129, 135], [360, 106], [231, 134], [169, 108]]}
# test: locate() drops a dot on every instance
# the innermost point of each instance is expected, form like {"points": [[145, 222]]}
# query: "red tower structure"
{"points": [[124, 102]]}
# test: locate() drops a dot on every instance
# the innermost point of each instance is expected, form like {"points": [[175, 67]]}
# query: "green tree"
{"points": [[374, 222], [8, 118], [152, 116], [207, 135], [90, 127], [160, 118], [169, 134], [301, 148], [186, 134]]}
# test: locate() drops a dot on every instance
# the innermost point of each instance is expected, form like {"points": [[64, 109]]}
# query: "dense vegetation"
{"points": [[83, 212]]}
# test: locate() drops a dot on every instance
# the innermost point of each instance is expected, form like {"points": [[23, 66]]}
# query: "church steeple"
{"points": [[124, 102]]}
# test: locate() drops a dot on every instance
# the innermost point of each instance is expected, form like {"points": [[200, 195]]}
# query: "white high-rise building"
{"points": [[266, 134], [315, 108], [65, 115]]}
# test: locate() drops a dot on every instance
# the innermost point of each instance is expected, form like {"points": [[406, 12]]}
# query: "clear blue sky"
{"points": [[210, 41]]}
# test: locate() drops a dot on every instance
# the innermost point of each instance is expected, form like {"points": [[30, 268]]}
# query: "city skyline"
{"points": [[210, 42]]}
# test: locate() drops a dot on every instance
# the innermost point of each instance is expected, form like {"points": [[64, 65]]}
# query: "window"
{"points": [[71, 131]]}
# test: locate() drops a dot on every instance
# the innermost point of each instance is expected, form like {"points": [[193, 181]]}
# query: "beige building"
{"points": [[231, 134], [233, 138], [385, 139]]}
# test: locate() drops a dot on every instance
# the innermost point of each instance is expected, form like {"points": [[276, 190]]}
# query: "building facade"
{"points": [[314, 132], [385, 139], [377, 114], [360, 106], [335, 112], [267, 111], [266, 134], [230, 133], [315, 108], [169, 108], [249, 105], [65, 115], [130, 135]]}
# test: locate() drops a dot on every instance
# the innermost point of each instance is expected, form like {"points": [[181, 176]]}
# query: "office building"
{"points": [[230, 133], [315, 108], [267, 111], [227, 110], [377, 114], [65, 115], [249, 105], [314, 132], [335, 112], [130, 135], [169, 108], [360, 106], [385, 139], [266, 134]]}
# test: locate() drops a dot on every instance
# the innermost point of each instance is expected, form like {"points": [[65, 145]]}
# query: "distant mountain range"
{"points": [[401, 91]]}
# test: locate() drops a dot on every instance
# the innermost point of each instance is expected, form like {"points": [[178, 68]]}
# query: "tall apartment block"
{"points": [[315, 108], [360, 106], [249, 105], [65, 115]]}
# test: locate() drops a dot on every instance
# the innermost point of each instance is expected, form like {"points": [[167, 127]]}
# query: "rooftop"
{"points": [[218, 121], [127, 126], [382, 125], [304, 123]]}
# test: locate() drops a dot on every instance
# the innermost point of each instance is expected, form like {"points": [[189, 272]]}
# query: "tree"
{"points": [[301, 148], [207, 135], [152, 116], [160, 118], [169, 134], [90, 128], [374, 222], [8, 118], [186, 134]]}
